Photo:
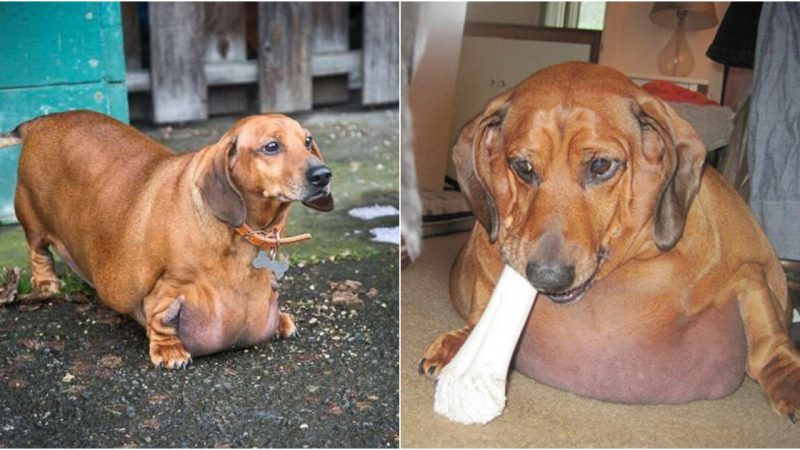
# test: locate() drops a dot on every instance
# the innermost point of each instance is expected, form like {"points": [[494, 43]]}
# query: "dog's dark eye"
{"points": [[271, 148], [600, 166], [601, 169], [524, 169], [309, 141]]}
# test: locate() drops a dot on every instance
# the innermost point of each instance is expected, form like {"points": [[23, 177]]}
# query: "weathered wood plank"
{"points": [[43, 45], [179, 89], [245, 72], [284, 75], [113, 43], [336, 63], [9, 161], [56, 57], [231, 72], [381, 53], [19, 105], [137, 80], [330, 32]]}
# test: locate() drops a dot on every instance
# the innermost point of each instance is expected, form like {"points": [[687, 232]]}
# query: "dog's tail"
{"points": [[15, 136], [11, 138]]}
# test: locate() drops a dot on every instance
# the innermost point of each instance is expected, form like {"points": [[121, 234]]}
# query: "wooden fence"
{"points": [[195, 59]]}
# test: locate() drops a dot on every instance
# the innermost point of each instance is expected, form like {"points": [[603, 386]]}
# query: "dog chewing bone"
{"points": [[472, 387]]}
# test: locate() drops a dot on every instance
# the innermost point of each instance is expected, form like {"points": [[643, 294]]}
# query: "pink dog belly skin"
{"points": [[621, 359], [233, 321]]}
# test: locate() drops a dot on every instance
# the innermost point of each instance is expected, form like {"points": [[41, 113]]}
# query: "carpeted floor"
{"points": [[540, 416]]}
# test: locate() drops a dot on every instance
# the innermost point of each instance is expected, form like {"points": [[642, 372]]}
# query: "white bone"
{"points": [[472, 387]]}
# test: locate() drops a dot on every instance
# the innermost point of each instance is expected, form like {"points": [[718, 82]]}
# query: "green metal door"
{"points": [[56, 57]]}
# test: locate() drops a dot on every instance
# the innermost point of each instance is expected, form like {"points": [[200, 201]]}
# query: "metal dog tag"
{"points": [[278, 265]]}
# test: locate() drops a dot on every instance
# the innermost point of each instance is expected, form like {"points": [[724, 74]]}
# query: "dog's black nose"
{"points": [[319, 176], [550, 278]]}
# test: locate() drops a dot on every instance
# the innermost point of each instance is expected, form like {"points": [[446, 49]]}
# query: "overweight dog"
{"points": [[164, 237], [660, 286]]}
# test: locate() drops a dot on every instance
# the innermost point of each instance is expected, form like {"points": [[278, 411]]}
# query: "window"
{"points": [[591, 15], [583, 15]]}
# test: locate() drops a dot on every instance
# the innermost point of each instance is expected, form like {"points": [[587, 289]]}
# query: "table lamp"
{"points": [[676, 58]]}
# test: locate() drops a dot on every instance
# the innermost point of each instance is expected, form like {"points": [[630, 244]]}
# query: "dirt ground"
{"points": [[78, 375], [75, 374]]}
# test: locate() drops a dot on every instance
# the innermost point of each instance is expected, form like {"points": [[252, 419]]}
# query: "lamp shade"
{"points": [[699, 15]]}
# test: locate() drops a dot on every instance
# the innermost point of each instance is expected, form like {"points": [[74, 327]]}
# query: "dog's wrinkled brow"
{"points": [[497, 117], [638, 113]]}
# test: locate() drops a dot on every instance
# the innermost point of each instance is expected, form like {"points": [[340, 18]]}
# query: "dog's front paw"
{"points": [[780, 379], [441, 351], [169, 353], [286, 326]]}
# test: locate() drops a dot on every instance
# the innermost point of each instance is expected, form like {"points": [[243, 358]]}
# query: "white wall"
{"points": [[518, 13], [432, 91], [631, 43]]}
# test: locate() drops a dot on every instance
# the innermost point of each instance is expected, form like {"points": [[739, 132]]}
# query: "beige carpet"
{"points": [[539, 416]]}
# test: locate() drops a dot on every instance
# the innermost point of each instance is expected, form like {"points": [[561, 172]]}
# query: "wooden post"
{"points": [[330, 35], [381, 53], [284, 75], [176, 55]]}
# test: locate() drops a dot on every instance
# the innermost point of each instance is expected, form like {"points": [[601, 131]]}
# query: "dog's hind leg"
{"points": [[43, 275], [772, 359]]}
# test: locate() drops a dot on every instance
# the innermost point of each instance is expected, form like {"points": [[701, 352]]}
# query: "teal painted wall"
{"points": [[56, 57]]}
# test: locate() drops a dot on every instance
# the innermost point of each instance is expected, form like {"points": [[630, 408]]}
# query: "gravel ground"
{"points": [[78, 375]]}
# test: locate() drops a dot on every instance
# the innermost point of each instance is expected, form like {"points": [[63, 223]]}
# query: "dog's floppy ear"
{"points": [[217, 189], [682, 154], [471, 158], [322, 203]]}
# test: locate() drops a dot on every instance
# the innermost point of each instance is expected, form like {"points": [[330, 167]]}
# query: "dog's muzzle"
{"points": [[319, 197]]}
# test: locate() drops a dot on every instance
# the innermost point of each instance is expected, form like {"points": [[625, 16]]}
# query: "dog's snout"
{"points": [[550, 278], [319, 176]]}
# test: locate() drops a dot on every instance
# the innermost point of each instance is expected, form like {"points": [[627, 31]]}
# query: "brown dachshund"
{"points": [[156, 232], [659, 285]]}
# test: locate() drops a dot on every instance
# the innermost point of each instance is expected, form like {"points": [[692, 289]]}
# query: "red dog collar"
{"points": [[268, 240]]}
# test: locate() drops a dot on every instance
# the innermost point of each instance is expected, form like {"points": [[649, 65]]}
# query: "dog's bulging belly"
{"points": [[630, 359], [234, 319]]}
